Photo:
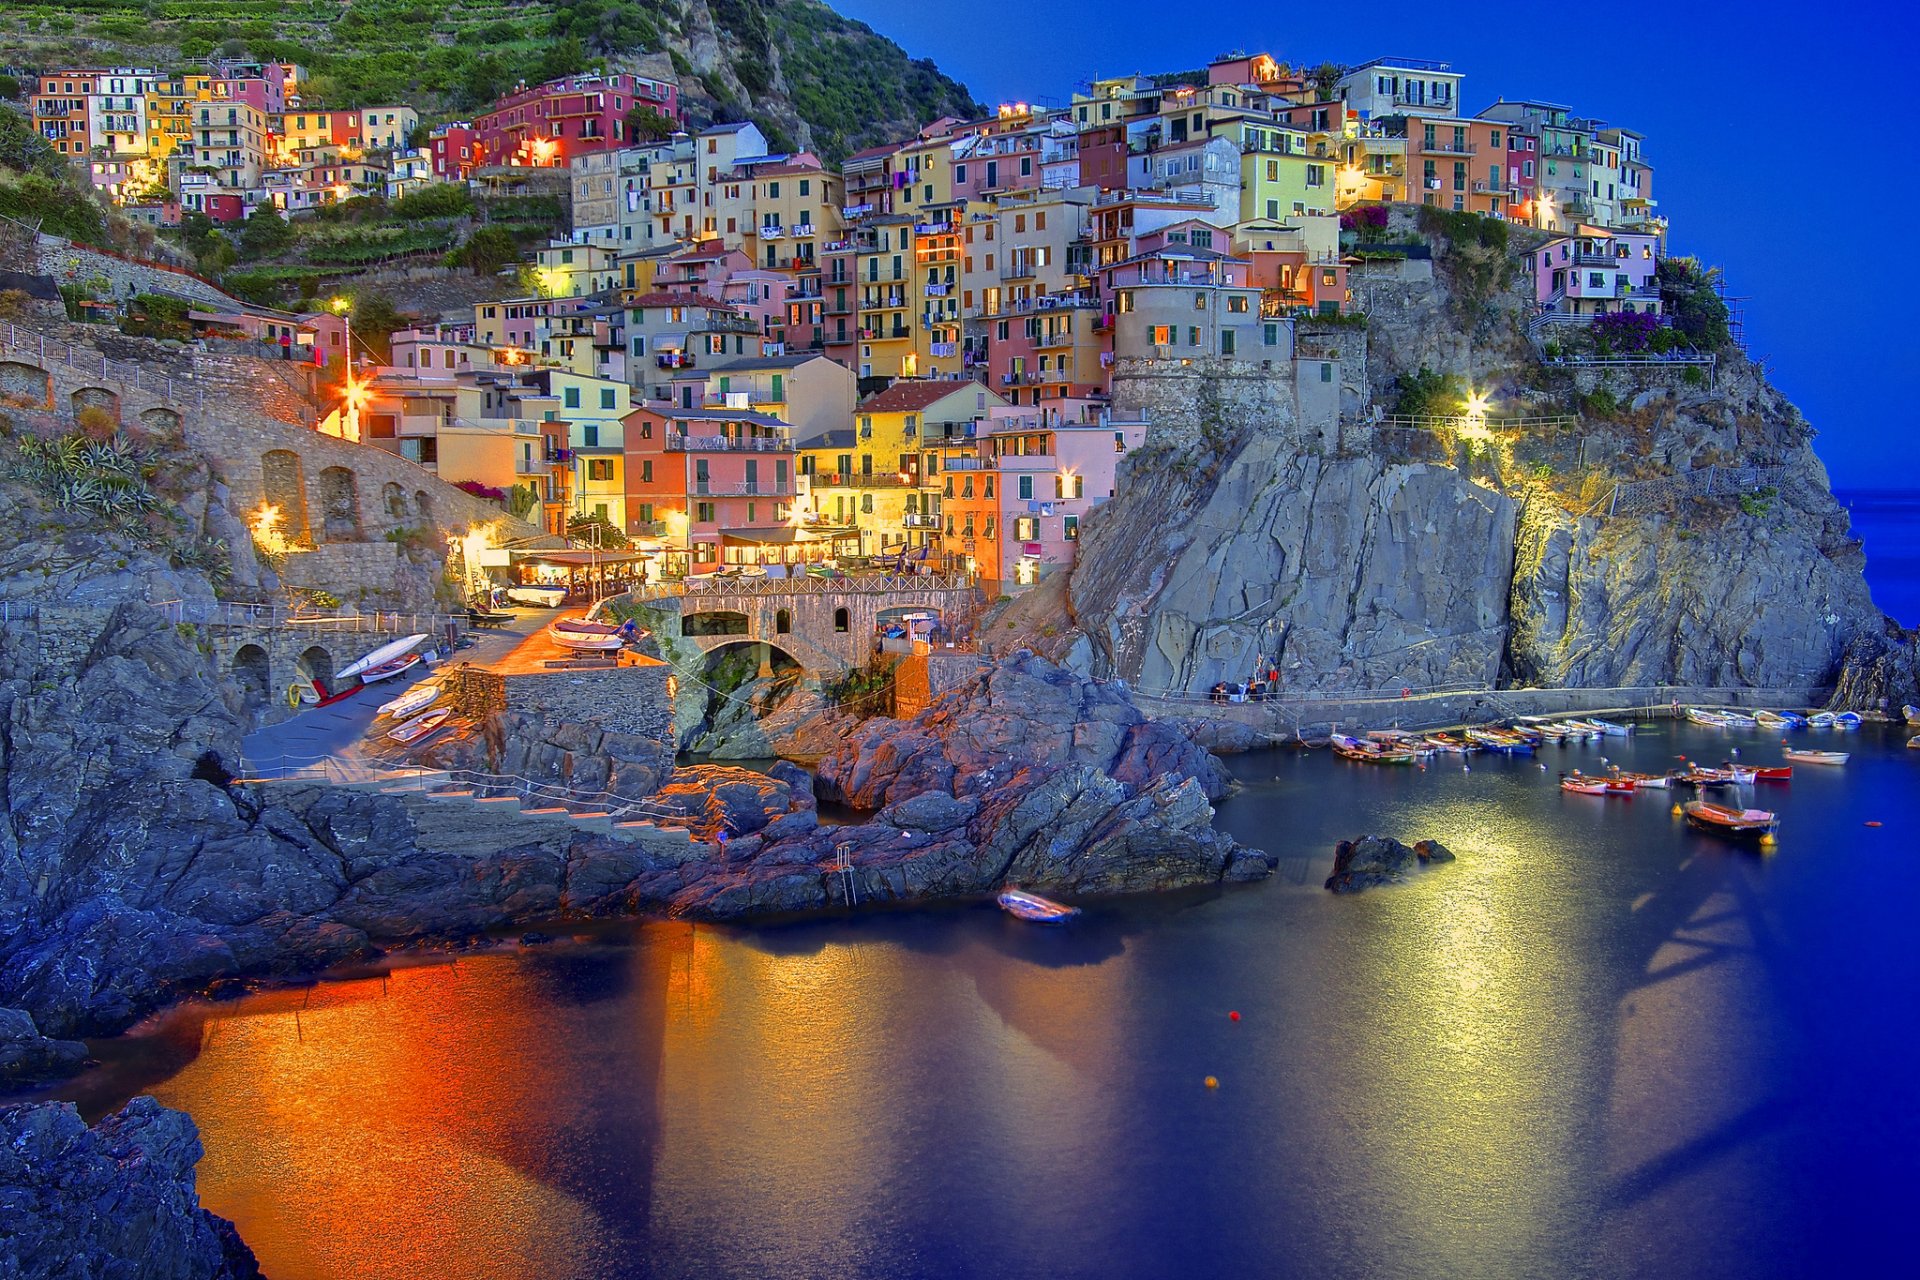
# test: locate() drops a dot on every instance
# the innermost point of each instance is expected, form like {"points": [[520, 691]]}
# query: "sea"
{"points": [[1597, 1044], [1888, 522]]}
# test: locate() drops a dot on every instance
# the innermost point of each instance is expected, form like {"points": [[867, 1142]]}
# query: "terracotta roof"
{"points": [[662, 298], [909, 395]]}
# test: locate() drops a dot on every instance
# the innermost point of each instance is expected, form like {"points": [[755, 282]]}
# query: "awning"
{"points": [[670, 342], [772, 536], [583, 559]]}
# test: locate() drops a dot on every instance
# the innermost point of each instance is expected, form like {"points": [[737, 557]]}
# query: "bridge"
{"points": [[825, 625]]}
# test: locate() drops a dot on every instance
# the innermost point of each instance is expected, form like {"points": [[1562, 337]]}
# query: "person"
{"points": [[1219, 691]]}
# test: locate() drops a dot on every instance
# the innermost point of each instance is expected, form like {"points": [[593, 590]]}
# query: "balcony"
{"points": [[939, 290], [862, 480], [764, 489], [943, 350], [727, 324], [678, 442], [675, 360], [1058, 338], [1019, 268], [919, 520], [772, 233], [1449, 148], [802, 230]]}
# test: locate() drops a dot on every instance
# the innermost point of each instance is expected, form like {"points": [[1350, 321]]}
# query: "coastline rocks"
{"points": [[114, 1200], [1376, 860], [27, 1057]]}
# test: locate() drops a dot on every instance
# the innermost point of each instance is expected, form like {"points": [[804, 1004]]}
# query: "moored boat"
{"points": [[418, 698], [573, 633], [1033, 907], [1773, 772], [1350, 748], [1589, 785], [541, 597], [1501, 740], [1911, 712], [1744, 824], [1698, 776], [1644, 781], [1820, 720], [1914, 742], [1700, 715], [1815, 757], [420, 726], [1847, 720], [390, 668]]}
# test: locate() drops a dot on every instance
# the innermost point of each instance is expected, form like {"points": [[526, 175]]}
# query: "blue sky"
{"points": [[1776, 153]]}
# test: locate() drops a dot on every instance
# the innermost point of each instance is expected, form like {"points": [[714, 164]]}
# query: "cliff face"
{"points": [[1395, 557]]}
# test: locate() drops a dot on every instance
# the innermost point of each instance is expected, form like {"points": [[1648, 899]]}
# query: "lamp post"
{"points": [[343, 307]]}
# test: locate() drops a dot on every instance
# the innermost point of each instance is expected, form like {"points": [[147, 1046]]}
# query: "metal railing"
{"points": [[227, 613], [343, 770], [1641, 497], [841, 584], [49, 352]]}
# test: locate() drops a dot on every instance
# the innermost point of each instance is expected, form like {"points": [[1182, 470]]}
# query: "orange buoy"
{"points": [[1213, 1082], [1871, 824], [1235, 1015], [1676, 811]]}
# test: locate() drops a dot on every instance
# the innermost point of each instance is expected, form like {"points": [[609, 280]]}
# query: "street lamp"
{"points": [[343, 307]]}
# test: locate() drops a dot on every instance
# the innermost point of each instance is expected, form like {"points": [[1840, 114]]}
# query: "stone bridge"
{"points": [[826, 625]]}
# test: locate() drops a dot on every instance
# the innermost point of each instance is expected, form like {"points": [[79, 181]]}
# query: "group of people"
{"points": [[1252, 689]]}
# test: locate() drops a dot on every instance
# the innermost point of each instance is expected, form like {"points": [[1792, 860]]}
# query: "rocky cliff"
{"points": [[1397, 557], [114, 1200]]}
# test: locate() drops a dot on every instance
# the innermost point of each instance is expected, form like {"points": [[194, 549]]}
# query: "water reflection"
{"points": [[1599, 1043]]}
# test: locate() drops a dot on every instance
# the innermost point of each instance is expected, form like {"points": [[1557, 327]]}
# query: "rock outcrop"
{"points": [[1372, 861], [27, 1057], [114, 1200]]}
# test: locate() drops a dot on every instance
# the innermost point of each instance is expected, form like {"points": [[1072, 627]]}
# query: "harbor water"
{"points": [[1598, 1044], [1888, 522]]}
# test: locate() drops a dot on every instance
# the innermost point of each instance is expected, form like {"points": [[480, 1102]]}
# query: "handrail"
{"points": [[227, 613], [856, 585], [26, 341]]}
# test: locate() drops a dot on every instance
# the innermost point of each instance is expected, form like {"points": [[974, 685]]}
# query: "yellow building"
{"points": [[882, 475], [568, 270], [1280, 177]]}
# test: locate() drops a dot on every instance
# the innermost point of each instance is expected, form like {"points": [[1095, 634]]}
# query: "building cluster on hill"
{"points": [[744, 357]]}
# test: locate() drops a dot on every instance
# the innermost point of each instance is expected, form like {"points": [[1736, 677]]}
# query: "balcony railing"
{"points": [[919, 520], [679, 443], [1019, 269], [1450, 148], [861, 480], [764, 489], [939, 290]]}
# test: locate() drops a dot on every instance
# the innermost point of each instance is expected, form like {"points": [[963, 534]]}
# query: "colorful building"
{"points": [[549, 125], [709, 485]]}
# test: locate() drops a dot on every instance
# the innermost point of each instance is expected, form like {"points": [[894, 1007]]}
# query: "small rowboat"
{"points": [[1700, 715], [1696, 776], [1914, 742], [1586, 785], [1745, 824], [1348, 748], [1821, 720], [420, 726], [1606, 727], [390, 668], [571, 633], [418, 698], [543, 597], [1441, 742], [384, 654], [1031, 906], [1501, 740], [1778, 720], [1643, 781], [1911, 712], [1773, 772], [1815, 757], [1847, 720]]}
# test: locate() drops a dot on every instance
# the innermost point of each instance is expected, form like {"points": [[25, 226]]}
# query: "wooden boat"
{"points": [[541, 597], [384, 654], [1911, 713], [418, 698], [420, 726], [1821, 720], [1814, 757], [390, 668], [1446, 743], [1501, 740], [1744, 824], [1033, 907], [1697, 776], [1644, 781], [1350, 748], [1914, 742], [1847, 720], [1611, 728], [572, 633], [1773, 772], [1772, 720], [1587, 785], [1700, 715]]}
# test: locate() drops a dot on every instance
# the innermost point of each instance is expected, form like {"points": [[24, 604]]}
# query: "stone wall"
{"points": [[476, 692], [70, 263], [1196, 401], [624, 699]]}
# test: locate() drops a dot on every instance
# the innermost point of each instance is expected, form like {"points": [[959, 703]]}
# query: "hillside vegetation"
{"points": [[806, 75]]}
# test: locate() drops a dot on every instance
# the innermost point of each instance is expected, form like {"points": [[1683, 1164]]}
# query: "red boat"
{"points": [[1773, 773]]}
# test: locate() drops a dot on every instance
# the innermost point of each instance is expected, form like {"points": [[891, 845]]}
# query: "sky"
{"points": [[1766, 163]]}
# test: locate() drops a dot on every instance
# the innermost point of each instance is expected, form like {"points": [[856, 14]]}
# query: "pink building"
{"points": [[453, 148], [763, 295], [548, 125], [1597, 272], [703, 269]]}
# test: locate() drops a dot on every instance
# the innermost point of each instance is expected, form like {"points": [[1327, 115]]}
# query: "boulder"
{"points": [[27, 1057], [114, 1200], [1377, 860]]}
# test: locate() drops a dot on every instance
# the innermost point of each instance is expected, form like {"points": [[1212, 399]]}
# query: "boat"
{"points": [[1350, 748], [390, 668], [418, 698], [1847, 720], [1607, 728], [1700, 715], [1033, 907], [1815, 757], [1746, 824], [384, 654], [1911, 713], [1773, 772], [1914, 742], [1501, 740], [1644, 781], [1698, 776], [1821, 720], [573, 633], [1447, 743], [1771, 720], [1588, 785], [542, 597], [420, 726]]}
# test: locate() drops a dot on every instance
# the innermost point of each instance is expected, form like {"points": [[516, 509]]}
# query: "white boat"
{"points": [[1911, 712], [418, 698], [541, 597], [1815, 757], [390, 668], [1031, 906], [1771, 720], [385, 653], [420, 726], [1847, 720], [572, 633], [1611, 728], [1700, 715], [1820, 720]]}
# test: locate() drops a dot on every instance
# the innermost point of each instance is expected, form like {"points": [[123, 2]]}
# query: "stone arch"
{"points": [[95, 398], [842, 620], [283, 484], [315, 664], [715, 622], [251, 668], [340, 505], [782, 622], [423, 503], [393, 500], [160, 421], [26, 385]]}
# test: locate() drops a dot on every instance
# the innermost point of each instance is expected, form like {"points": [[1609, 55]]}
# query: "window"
{"points": [[1026, 528], [646, 470], [1026, 488], [606, 398], [866, 504], [1199, 302], [600, 468], [1162, 335], [571, 398], [1237, 302], [703, 512], [1070, 527], [1226, 342], [841, 620], [590, 435], [1193, 335]]}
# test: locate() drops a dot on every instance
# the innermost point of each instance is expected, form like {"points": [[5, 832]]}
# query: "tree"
{"points": [[586, 527], [22, 147], [1689, 292], [9, 87], [563, 57], [374, 320], [1427, 394], [265, 233], [644, 124], [441, 200], [487, 250], [1326, 79]]}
